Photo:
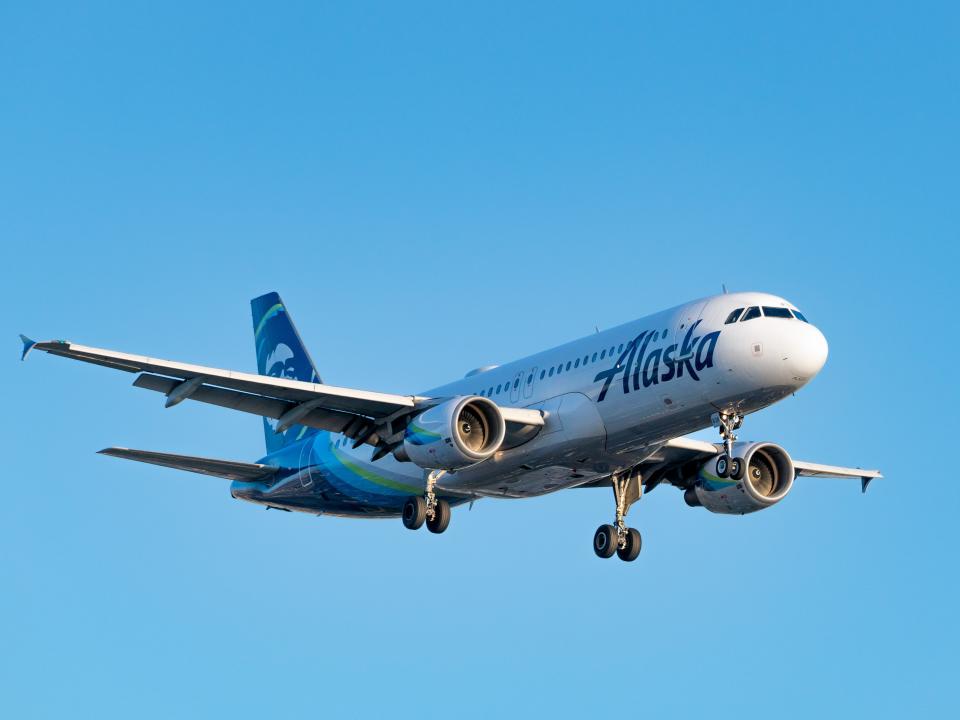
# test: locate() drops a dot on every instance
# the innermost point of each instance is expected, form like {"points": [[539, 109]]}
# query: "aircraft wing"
{"points": [[675, 456], [205, 466], [373, 418]]}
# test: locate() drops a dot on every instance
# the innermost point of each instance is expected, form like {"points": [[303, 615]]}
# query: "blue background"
{"points": [[432, 188]]}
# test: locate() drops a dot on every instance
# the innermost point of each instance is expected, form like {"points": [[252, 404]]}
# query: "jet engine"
{"points": [[454, 434], [766, 477]]}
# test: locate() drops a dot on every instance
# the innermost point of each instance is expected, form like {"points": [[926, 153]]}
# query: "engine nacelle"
{"points": [[454, 434], [768, 477]]}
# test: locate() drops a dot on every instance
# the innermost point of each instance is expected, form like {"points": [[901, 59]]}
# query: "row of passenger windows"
{"points": [[741, 314], [744, 314], [556, 370]]}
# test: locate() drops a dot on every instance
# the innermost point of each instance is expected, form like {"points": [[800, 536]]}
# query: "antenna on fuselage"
{"points": [[723, 286]]}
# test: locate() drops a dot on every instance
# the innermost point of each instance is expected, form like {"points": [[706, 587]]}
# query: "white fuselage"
{"points": [[612, 398]]}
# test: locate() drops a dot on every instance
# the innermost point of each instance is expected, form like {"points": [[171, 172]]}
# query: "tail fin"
{"points": [[280, 353]]}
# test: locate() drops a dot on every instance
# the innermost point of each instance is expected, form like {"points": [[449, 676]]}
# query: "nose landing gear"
{"points": [[427, 508], [619, 539], [727, 465]]}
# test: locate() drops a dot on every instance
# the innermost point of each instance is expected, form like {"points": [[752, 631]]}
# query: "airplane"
{"points": [[610, 410]]}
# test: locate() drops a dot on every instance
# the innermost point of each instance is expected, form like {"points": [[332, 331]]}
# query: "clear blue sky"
{"points": [[430, 189]]}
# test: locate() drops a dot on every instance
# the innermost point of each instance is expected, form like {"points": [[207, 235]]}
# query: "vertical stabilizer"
{"points": [[280, 353]]}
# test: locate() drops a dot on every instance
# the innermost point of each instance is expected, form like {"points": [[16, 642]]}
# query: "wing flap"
{"points": [[322, 419], [226, 469]]}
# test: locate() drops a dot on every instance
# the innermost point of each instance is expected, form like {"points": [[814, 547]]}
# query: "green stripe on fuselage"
{"points": [[372, 477]]}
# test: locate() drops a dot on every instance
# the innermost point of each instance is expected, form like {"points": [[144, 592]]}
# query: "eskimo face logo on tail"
{"points": [[643, 364], [280, 363]]}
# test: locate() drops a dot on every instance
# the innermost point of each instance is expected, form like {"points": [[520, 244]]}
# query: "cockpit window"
{"points": [[750, 314], [734, 316], [777, 312], [800, 316]]}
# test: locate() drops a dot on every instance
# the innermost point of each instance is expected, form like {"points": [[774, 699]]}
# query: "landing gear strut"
{"points": [[427, 508], [727, 465], [618, 538]]}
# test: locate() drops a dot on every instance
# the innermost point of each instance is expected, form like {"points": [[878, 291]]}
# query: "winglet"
{"points": [[864, 483], [28, 345]]}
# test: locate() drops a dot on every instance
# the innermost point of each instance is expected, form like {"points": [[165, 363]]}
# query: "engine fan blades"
{"points": [[763, 475], [473, 429]]}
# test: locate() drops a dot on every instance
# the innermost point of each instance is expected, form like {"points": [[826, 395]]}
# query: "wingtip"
{"points": [[28, 345]]}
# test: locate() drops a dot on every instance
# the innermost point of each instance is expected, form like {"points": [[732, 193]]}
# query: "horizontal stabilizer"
{"points": [[205, 466]]}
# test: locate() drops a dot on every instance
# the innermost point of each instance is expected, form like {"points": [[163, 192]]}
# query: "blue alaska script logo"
{"points": [[661, 364]]}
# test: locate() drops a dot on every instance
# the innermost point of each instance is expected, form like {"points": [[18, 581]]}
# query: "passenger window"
{"points": [[603, 354], [594, 358], [577, 363], [490, 392], [568, 365], [777, 312], [498, 389], [543, 374], [551, 372], [734, 316], [516, 383], [750, 314], [800, 316], [620, 349], [529, 378], [559, 368]]}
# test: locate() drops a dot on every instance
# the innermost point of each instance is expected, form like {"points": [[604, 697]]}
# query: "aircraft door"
{"points": [[687, 317], [515, 387], [306, 478], [529, 382]]}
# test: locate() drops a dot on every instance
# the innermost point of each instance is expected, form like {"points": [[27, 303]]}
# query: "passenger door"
{"points": [[528, 384], [306, 453], [516, 387]]}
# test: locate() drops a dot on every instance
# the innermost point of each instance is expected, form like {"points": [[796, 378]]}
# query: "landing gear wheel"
{"points": [[737, 468], [441, 517], [723, 466], [632, 544], [605, 541], [414, 513]]}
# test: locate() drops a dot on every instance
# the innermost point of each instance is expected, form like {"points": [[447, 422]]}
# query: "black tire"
{"points": [[441, 517], [723, 466], [738, 468], [414, 513], [630, 551], [605, 541]]}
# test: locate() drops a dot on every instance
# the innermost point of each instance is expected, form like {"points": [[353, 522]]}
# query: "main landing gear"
{"points": [[727, 465], [427, 508], [618, 538]]}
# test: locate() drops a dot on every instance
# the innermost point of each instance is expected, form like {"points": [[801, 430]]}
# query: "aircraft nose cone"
{"points": [[808, 353]]}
